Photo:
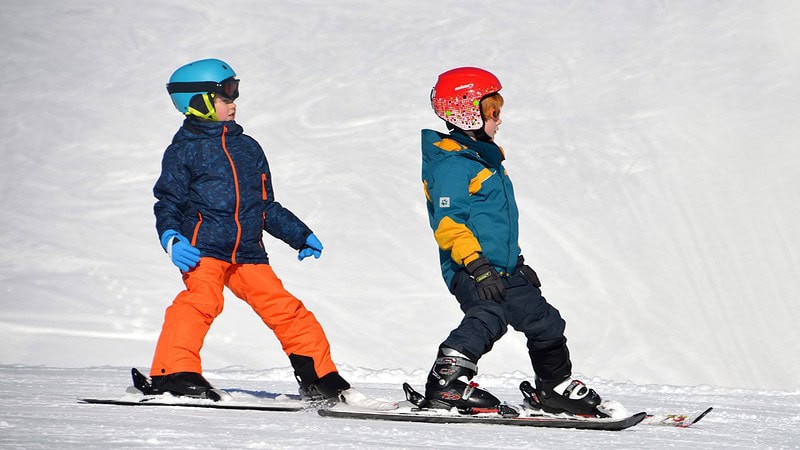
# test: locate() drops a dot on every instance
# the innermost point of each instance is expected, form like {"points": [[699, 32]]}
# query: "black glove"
{"points": [[488, 282], [528, 272]]}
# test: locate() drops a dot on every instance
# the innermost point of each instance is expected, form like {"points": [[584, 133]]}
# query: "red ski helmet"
{"points": [[456, 98]]}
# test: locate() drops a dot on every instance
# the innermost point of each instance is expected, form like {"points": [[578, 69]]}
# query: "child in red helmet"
{"points": [[474, 217]]}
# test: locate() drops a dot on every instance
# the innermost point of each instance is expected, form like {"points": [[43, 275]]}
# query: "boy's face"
{"points": [[225, 108], [492, 124]]}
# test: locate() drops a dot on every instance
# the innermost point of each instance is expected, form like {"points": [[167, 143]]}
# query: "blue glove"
{"points": [[180, 250], [312, 247]]}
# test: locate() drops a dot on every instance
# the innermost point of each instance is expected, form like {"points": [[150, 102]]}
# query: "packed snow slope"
{"points": [[653, 146], [40, 411]]}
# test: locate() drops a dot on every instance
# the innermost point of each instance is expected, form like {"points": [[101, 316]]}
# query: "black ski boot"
{"points": [[568, 395], [444, 388], [314, 388], [325, 389], [185, 384]]}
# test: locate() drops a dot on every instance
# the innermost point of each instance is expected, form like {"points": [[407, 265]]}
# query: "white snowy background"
{"points": [[653, 146]]}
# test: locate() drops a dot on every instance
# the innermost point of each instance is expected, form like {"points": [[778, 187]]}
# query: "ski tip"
{"points": [[676, 420], [693, 420], [699, 416]]}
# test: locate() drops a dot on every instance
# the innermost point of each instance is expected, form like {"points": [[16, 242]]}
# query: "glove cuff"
{"points": [[476, 264], [166, 240]]}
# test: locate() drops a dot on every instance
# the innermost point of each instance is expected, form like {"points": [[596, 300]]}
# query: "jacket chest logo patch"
{"points": [[444, 202]]}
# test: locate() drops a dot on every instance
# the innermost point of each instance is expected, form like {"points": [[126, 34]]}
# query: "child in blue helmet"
{"points": [[214, 200]]}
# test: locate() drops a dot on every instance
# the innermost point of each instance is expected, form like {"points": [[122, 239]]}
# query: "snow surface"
{"points": [[653, 146], [40, 410]]}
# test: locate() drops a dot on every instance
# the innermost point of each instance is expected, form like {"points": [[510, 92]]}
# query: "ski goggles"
{"points": [[228, 87], [492, 114]]}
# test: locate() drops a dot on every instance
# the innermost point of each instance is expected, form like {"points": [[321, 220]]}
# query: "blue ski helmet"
{"points": [[199, 78]]}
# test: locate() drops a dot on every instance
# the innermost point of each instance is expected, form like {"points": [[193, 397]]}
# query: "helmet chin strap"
{"points": [[482, 136], [211, 113], [478, 135]]}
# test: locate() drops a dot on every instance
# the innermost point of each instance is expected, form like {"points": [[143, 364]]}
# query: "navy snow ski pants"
{"points": [[525, 309]]}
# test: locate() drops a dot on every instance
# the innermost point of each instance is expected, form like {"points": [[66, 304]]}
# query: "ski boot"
{"points": [[325, 390], [332, 389], [182, 384], [566, 396], [448, 385]]}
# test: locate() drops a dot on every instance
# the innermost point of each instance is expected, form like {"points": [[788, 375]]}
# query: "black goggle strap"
{"points": [[227, 88]]}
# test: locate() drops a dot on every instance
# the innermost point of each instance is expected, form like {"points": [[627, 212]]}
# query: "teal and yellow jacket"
{"points": [[470, 200]]}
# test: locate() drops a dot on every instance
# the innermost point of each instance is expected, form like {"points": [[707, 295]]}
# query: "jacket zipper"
{"points": [[197, 228], [236, 188]]}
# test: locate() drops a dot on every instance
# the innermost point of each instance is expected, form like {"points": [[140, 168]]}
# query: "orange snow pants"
{"points": [[188, 319]]}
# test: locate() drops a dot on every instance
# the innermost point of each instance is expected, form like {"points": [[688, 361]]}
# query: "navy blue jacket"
{"points": [[215, 189]]}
